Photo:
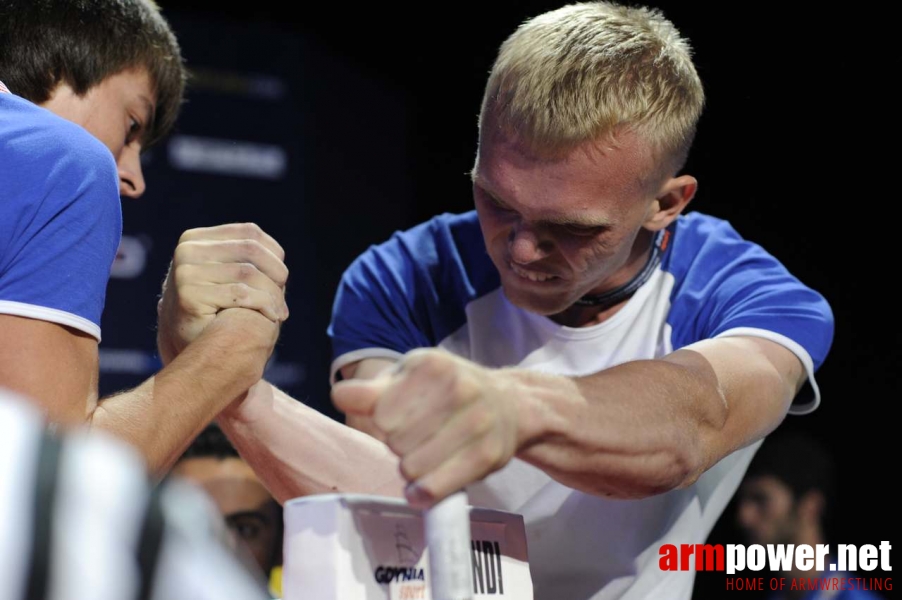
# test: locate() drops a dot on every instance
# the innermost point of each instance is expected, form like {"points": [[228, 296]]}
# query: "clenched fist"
{"points": [[229, 266], [451, 421]]}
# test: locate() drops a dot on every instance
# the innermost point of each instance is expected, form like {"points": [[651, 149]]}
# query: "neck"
{"points": [[608, 298], [808, 535], [585, 316]]}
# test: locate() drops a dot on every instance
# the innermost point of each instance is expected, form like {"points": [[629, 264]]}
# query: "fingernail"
{"points": [[417, 495]]}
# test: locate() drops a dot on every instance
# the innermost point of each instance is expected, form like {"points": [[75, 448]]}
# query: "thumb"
{"points": [[358, 396]]}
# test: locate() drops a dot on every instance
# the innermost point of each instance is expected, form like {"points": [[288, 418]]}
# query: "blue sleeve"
{"points": [[61, 225], [411, 291], [725, 284], [374, 305]]}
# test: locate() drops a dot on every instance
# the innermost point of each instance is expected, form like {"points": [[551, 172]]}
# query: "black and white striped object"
{"points": [[81, 520]]}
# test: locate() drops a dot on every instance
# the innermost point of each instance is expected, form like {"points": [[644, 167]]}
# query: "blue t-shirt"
{"points": [[435, 285], [428, 285], [60, 217]]}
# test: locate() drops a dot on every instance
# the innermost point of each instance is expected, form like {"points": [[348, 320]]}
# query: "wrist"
{"points": [[535, 396], [249, 406], [244, 339], [165, 346], [165, 349]]}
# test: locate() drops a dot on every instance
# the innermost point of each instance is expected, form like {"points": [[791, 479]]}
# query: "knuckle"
{"points": [[379, 416], [251, 231], [188, 235], [462, 389], [488, 453], [251, 248], [282, 277], [181, 254], [381, 420], [192, 251], [432, 363], [244, 271], [409, 469], [240, 292], [415, 357], [394, 443], [479, 420], [182, 274], [186, 305]]}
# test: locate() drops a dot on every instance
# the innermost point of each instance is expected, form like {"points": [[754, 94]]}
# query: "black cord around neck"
{"points": [[618, 295]]}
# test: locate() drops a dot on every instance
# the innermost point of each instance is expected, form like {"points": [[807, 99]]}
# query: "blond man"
{"points": [[578, 349]]}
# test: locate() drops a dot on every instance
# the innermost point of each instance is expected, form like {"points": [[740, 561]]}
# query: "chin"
{"points": [[540, 304]]}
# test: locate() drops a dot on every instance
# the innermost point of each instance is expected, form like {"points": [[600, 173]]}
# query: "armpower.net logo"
{"points": [[851, 567]]}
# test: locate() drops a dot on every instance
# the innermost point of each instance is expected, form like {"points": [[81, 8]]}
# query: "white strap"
{"points": [[4, 89]]}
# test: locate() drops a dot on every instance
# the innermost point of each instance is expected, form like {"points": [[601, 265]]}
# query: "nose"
{"points": [[745, 515], [131, 178], [232, 540], [527, 245]]}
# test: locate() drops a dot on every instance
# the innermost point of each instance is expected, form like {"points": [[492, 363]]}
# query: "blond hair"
{"points": [[589, 70]]}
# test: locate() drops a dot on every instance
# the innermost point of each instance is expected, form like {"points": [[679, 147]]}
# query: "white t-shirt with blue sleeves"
{"points": [[60, 218], [435, 285]]}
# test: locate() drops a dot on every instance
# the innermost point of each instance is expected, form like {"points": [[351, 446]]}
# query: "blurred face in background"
{"points": [[252, 515], [766, 510]]}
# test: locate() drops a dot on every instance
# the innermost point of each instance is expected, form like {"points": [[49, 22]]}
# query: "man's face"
{"points": [[559, 229], [766, 510], [117, 111], [248, 508]]}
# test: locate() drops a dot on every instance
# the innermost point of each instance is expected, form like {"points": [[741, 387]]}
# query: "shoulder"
{"points": [[443, 236], [698, 231], [445, 247], [40, 145], [723, 283], [50, 166], [60, 217], [709, 258], [705, 248], [413, 289]]}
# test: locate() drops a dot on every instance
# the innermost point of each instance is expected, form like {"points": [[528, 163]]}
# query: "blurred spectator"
{"points": [[252, 515], [82, 520], [786, 498]]}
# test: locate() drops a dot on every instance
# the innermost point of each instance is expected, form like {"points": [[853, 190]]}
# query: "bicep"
{"points": [[757, 379], [53, 365]]}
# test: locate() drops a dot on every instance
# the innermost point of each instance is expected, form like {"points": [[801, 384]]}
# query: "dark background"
{"points": [[364, 122]]}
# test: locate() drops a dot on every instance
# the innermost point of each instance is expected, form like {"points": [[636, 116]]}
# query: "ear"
{"points": [[810, 507], [669, 202]]}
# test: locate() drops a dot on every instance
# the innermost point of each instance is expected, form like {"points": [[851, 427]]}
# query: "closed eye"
{"points": [[494, 202], [582, 230], [134, 131]]}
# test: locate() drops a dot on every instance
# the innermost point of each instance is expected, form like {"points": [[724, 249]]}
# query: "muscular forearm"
{"points": [[634, 430], [298, 451], [163, 414], [629, 431]]}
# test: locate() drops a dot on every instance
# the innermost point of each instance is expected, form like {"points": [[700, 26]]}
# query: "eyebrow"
{"points": [[252, 514], [149, 113], [577, 220], [148, 105]]}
